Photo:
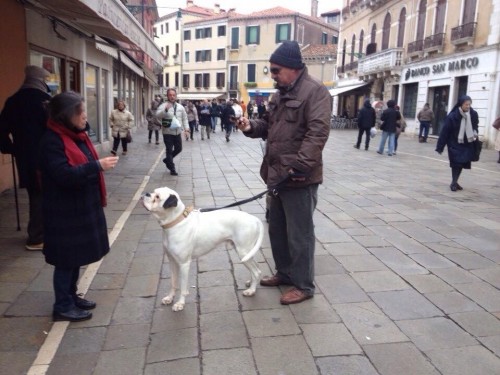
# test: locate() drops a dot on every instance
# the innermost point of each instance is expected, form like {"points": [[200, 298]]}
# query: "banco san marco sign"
{"points": [[451, 66]]}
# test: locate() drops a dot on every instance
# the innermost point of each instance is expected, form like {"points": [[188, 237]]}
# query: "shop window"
{"points": [[54, 65], [91, 103], [410, 99]]}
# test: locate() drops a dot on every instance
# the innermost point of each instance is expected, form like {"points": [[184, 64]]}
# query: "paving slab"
{"points": [[346, 365], [405, 304], [275, 322], [471, 360], [329, 339], [222, 330], [379, 281], [237, 361]]}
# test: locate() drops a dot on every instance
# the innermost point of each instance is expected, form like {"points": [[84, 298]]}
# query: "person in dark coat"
{"points": [[389, 119], [460, 129], [74, 194], [24, 117], [366, 121], [205, 119], [296, 128], [228, 118]]}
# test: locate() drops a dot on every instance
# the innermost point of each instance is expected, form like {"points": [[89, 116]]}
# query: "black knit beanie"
{"points": [[288, 55]]}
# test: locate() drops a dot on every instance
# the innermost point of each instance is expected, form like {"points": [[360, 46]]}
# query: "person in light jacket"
{"points": [[121, 122], [425, 117], [172, 130]]}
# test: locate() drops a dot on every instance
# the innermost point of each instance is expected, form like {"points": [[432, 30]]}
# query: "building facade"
{"points": [[227, 55], [98, 49], [417, 52]]}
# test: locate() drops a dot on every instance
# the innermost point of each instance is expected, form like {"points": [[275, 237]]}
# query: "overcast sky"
{"points": [[249, 6]]}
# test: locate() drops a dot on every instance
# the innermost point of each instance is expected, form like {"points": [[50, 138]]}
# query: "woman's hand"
{"points": [[108, 162]]}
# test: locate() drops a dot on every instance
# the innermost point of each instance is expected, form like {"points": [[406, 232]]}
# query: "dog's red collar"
{"points": [[181, 217]]}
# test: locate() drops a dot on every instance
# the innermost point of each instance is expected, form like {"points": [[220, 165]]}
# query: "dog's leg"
{"points": [[184, 275], [255, 272], [174, 277]]}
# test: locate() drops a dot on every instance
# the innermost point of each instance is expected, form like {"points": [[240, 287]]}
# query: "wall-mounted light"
{"points": [[265, 70]]}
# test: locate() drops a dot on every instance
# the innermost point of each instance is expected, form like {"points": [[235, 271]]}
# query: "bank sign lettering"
{"points": [[451, 66]]}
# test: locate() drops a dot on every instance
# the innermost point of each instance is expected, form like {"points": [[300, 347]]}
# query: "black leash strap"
{"points": [[273, 190]]}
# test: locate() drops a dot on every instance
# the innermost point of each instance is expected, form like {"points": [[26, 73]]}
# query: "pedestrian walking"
{"points": [[205, 119], [25, 119], [121, 122], [389, 120], [366, 121], [400, 128], [296, 130], [174, 123], [154, 125], [228, 117], [192, 116], [74, 194], [215, 114], [496, 125], [425, 117], [460, 129]]}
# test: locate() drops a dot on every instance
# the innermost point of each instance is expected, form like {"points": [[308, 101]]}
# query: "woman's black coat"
{"points": [[460, 154], [75, 230]]}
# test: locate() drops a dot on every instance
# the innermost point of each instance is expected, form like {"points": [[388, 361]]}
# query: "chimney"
{"points": [[314, 8], [189, 3], [216, 8]]}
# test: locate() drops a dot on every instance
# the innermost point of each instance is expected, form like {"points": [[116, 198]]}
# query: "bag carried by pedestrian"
{"points": [[478, 146], [128, 137], [496, 124], [373, 132]]}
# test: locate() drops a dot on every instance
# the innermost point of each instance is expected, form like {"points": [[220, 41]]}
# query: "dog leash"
{"points": [[273, 190]]}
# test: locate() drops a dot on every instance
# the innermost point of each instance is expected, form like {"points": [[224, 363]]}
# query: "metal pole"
{"points": [[15, 192]]}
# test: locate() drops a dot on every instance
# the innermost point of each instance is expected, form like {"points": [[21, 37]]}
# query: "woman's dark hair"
{"points": [[64, 106]]}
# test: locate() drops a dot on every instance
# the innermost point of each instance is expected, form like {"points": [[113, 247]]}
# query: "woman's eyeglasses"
{"points": [[275, 70]]}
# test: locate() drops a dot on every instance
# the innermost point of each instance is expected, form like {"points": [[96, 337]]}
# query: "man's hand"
{"points": [[295, 176], [243, 124]]}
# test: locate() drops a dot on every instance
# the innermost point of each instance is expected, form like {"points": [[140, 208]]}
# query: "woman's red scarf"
{"points": [[74, 154]]}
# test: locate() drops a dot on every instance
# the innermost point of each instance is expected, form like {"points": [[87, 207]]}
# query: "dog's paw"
{"points": [[248, 283], [249, 292], [167, 300], [178, 307]]}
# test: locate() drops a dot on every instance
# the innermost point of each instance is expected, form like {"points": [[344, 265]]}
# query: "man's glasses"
{"points": [[275, 70]]}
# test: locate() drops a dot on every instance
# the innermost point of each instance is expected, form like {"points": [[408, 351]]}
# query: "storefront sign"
{"points": [[452, 66]]}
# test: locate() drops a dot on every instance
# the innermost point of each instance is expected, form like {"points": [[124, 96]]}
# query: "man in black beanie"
{"points": [[25, 119], [296, 131]]}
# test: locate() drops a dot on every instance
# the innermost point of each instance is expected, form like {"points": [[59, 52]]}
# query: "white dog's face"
{"points": [[163, 203]]}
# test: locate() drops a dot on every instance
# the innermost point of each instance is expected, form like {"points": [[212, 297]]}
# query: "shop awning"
{"points": [[130, 63], [264, 92], [109, 19], [339, 90], [150, 76], [199, 96]]}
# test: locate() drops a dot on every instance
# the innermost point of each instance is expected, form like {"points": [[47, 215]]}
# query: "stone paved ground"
{"points": [[407, 274]]}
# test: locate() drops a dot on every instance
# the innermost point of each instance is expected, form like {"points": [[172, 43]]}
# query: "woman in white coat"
{"points": [[121, 122]]}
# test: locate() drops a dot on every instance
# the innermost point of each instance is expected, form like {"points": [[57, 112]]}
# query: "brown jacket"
{"points": [[296, 131]]}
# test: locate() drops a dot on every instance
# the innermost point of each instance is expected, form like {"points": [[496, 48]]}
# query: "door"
{"points": [[439, 107]]}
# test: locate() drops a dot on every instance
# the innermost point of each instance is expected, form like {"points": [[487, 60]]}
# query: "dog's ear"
{"points": [[170, 202]]}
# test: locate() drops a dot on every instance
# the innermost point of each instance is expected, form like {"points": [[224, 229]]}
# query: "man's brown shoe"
{"points": [[294, 295], [273, 280]]}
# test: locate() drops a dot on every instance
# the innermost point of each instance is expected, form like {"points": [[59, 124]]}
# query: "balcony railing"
{"points": [[415, 47], [386, 61], [434, 42], [351, 66], [463, 33]]}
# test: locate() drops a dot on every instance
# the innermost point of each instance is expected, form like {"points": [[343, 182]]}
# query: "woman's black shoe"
{"points": [[459, 187], [84, 304], [453, 187], [73, 315]]}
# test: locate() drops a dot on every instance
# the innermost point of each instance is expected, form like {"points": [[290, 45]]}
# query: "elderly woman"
{"points": [[121, 122], [460, 128], [74, 194]]}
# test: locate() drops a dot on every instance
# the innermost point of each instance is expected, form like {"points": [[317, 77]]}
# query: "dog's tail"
{"points": [[256, 247]]}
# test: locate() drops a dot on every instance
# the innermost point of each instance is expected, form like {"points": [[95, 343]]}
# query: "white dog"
{"points": [[188, 234]]}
